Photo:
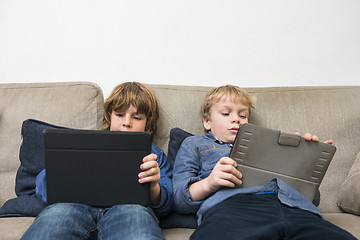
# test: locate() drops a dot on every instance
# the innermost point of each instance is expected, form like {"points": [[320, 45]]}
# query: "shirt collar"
{"points": [[215, 139]]}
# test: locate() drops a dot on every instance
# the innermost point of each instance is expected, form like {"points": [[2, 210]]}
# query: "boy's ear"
{"points": [[207, 124]]}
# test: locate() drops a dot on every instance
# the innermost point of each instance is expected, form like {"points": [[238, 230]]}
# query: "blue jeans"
{"points": [[253, 217], [77, 221]]}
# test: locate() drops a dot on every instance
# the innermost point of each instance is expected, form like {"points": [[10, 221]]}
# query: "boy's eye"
{"points": [[120, 114], [138, 117], [225, 114]]}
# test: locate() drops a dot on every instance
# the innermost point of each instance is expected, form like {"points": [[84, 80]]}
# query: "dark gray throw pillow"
{"points": [[177, 136], [174, 219]]}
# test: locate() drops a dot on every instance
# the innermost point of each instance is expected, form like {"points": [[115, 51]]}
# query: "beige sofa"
{"points": [[329, 112]]}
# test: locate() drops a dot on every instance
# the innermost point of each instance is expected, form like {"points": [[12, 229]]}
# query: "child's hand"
{"points": [[151, 173], [309, 137], [224, 174], [150, 170]]}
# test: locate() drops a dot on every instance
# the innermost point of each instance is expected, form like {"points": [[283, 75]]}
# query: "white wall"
{"points": [[187, 42]]}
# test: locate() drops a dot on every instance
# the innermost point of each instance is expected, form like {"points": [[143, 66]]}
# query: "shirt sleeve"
{"points": [[167, 199], [40, 186], [186, 171]]}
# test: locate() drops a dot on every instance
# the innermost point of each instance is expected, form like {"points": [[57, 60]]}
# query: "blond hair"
{"points": [[136, 94], [236, 93]]}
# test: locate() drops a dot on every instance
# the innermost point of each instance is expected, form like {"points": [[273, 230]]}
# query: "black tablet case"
{"points": [[95, 167], [263, 154]]}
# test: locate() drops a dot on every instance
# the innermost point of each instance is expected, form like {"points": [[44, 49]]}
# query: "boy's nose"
{"points": [[127, 121], [236, 119]]}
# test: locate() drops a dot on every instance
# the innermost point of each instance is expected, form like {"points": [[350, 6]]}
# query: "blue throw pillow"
{"points": [[174, 219], [177, 136], [178, 220], [31, 164]]}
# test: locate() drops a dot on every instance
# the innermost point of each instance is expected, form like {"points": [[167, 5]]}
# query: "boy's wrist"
{"points": [[155, 194], [200, 190], [207, 186]]}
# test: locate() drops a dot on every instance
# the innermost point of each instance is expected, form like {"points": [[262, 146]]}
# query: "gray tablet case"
{"points": [[263, 154], [95, 167]]}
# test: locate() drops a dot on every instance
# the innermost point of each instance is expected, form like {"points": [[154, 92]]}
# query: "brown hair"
{"points": [[236, 93], [136, 94]]}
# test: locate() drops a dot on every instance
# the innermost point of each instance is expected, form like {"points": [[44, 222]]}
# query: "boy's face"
{"points": [[129, 120], [225, 118]]}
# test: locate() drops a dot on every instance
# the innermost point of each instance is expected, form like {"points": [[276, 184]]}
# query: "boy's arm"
{"points": [[40, 186], [157, 171], [167, 195], [189, 189], [151, 173], [186, 171], [224, 174]]}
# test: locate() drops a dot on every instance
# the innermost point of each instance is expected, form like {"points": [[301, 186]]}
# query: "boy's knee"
{"points": [[133, 210], [60, 209], [129, 209]]}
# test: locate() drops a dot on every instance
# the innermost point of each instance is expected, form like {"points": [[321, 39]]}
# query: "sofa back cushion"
{"points": [[70, 104]]}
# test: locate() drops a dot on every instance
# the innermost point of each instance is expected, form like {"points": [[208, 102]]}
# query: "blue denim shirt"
{"points": [[167, 199], [195, 160]]}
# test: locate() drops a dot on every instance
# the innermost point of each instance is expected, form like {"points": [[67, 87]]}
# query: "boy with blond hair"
{"points": [[205, 180]]}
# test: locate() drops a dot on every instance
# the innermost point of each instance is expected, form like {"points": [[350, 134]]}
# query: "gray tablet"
{"points": [[94, 167], [263, 154]]}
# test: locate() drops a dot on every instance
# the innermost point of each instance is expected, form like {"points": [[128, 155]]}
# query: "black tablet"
{"points": [[95, 167]]}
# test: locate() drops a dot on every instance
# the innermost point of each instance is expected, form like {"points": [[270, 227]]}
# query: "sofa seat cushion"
{"points": [[346, 221], [177, 233], [14, 228], [349, 193]]}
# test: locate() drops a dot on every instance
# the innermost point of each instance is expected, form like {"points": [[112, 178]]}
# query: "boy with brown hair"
{"points": [[130, 107], [204, 180]]}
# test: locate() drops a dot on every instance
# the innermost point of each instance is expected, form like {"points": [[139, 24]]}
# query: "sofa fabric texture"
{"points": [[349, 193], [330, 112]]}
